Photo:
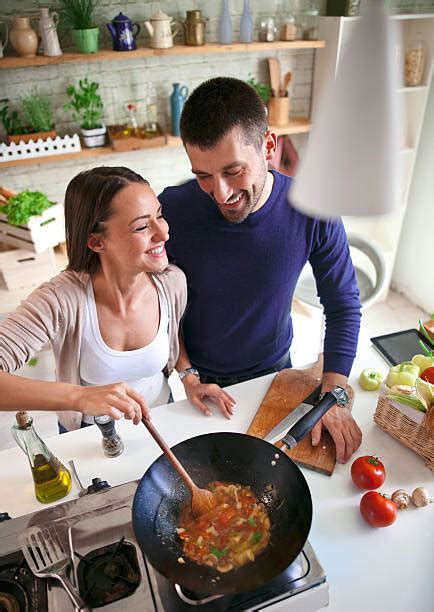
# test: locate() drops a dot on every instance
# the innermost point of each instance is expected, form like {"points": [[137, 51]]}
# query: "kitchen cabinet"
{"points": [[336, 32]]}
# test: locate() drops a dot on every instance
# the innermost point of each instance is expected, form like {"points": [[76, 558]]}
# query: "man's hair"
{"points": [[218, 106], [88, 201]]}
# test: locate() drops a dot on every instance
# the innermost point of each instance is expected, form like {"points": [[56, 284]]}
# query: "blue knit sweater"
{"points": [[241, 280]]}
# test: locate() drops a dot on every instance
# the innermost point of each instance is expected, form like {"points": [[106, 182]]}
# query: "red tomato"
{"points": [[378, 510], [428, 375], [368, 472]]}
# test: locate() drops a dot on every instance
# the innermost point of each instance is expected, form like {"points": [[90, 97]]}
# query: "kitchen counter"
{"points": [[367, 569]]}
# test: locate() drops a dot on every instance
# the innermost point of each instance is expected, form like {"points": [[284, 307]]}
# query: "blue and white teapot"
{"points": [[122, 30]]}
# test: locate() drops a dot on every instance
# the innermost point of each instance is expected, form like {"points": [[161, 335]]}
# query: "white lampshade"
{"points": [[350, 166]]}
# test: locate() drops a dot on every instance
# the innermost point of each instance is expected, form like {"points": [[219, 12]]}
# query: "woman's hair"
{"points": [[88, 201], [218, 106]]}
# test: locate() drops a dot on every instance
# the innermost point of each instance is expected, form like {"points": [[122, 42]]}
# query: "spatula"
{"points": [[46, 558], [201, 500]]}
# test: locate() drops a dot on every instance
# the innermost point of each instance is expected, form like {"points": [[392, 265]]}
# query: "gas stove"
{"points": [[111, 572]]}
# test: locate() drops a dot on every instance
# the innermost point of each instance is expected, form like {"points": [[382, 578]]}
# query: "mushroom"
{"points": [[401, 498], [420, 497]]}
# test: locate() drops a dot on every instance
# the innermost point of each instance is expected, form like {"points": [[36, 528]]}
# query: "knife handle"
{"points": [[297, 432]]}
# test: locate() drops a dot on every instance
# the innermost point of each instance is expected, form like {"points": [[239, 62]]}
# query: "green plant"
{"points": [[263, 90], [37, 111], [78, 14], [11, 120], [24, 205], [86, 104]]}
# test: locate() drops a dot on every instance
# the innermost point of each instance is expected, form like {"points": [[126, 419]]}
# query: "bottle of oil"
{"points": [[52, 479]]}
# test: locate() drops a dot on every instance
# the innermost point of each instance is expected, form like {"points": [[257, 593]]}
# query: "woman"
{"points": [[112, 315]]}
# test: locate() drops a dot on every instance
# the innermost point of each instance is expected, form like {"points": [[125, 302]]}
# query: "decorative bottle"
{"points": [[177, 101], [51, 478], [246, 24], [48, 32], [225, 25]]}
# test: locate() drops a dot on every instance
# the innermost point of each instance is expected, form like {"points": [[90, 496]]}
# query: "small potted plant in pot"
{"points": [[34, 122], [87, 108], [79, 15]]}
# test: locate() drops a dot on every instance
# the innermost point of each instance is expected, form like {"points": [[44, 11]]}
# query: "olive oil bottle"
{"points": [[51, 478]]}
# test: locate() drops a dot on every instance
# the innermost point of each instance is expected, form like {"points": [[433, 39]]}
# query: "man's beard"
{"points": [[250, 201]]}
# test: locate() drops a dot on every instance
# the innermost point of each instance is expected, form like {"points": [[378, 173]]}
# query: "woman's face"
{"points": [[134, 236]]}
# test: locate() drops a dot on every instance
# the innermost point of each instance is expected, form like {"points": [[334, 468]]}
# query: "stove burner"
{"points": [[20, 590], [108, 574], [13, 598]]}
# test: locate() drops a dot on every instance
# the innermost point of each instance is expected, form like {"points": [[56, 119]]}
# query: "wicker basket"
{"points": [[419, 437]]}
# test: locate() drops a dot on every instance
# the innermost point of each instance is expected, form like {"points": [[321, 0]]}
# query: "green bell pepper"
{"points": [[404, 373], [370, 380]]}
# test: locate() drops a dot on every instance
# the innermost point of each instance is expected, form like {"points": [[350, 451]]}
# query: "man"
{"points": [[242, 247]]}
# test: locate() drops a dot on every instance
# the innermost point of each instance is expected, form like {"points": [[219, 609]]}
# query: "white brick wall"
{"points": [[125, 80]]}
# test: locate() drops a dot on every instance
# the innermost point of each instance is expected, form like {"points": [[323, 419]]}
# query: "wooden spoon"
{"points": [[286, 82], [201, 500]]}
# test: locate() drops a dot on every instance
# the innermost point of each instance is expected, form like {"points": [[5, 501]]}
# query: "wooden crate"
{"points": [[40, 233], [22, 268]]}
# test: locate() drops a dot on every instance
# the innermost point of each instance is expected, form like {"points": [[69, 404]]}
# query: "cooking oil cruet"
{"points": [[52, 479]]}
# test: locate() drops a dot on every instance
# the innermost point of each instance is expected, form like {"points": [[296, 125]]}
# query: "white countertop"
{"points": [[367, 569]]}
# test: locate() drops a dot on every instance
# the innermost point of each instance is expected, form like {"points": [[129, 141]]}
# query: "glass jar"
{"points": [[307, 24], [267, 30], [415, 56], [112, 444], [288, 28]]}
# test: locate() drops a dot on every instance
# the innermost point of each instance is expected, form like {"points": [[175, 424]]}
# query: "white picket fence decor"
{"points": [[40, 233], [40, 148]]}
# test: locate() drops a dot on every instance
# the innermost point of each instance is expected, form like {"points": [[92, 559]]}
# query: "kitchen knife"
{"points": [[282, 427]]}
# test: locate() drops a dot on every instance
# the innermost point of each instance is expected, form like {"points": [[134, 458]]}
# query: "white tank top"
{"points": [[140, 368]]}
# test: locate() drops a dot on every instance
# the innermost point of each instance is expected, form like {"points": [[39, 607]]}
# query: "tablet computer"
{"points": [[400, 346]]}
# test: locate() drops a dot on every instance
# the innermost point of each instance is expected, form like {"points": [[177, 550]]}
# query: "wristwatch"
{"points": [[183, 373]]}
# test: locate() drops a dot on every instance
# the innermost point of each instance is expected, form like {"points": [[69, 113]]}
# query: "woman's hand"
{"points": [[197, 391], [115, 400]]}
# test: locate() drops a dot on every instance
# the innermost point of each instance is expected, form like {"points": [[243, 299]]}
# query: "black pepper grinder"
{"points": [[112, 444]]}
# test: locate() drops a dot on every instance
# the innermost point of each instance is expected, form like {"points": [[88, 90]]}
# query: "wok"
{"points": [[229, 457]]}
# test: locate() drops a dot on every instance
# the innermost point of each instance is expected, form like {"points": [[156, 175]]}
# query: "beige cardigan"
{"points": [[54, 313]]}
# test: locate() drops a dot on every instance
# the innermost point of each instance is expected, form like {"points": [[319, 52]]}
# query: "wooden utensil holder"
{"points": [[278, 111]]}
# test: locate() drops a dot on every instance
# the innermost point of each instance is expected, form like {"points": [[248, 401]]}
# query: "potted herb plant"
{"points": [[35, 120], [79, 15], [87, 108]]}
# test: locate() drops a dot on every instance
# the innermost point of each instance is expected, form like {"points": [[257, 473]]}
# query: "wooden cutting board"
{"points": [[288, 389]]}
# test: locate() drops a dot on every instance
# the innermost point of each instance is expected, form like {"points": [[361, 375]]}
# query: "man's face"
{"points": [[233, 173]]}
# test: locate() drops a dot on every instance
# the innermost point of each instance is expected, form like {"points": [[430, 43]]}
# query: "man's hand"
{"points": [[339, 422], [197, 391], [115, 400]]}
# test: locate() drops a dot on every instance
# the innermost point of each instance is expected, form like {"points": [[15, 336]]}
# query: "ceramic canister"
{"points": [[23, 37]]}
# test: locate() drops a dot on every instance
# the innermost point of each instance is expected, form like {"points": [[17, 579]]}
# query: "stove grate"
{"points": [[108, 574]]}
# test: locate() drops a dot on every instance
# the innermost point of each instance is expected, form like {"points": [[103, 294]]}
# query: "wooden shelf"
{"points": [[298, 125], [177, 50]]}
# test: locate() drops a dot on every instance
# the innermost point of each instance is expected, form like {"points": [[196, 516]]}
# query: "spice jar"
{"points": [[307, 23], [112, 444], [414, 62], [267, 30], [288, 29]]}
